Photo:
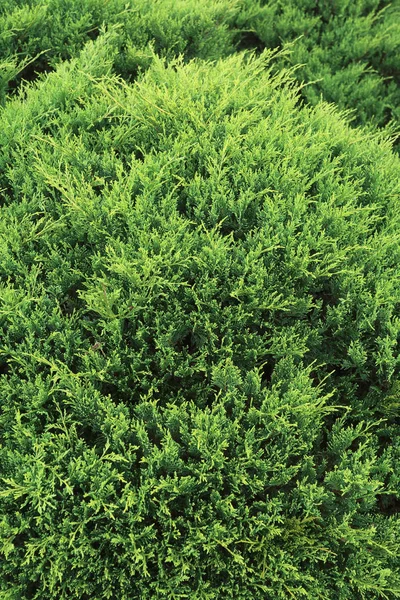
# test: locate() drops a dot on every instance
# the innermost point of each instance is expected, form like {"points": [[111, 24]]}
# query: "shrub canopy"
{"points": [[348, 50], [199, 316]]}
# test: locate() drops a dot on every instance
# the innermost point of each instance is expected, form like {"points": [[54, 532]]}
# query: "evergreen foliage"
{"points": [[199, 310], [349, 51]]}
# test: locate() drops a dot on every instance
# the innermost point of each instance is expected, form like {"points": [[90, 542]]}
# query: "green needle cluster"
{"points": [[199, 300]]}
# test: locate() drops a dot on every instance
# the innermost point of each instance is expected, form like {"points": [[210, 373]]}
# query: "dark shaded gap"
{"points": [[249, 40]]}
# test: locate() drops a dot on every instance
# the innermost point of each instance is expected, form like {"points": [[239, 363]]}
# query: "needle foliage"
{"points": [[348, 50], [199, 319]]}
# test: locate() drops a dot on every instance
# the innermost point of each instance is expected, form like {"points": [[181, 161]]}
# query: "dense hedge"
{"points": [[349, 49], [36, 36], [199, 321]]}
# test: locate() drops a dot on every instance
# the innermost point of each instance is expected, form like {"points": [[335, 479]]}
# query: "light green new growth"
{"points": [[199, 312]]}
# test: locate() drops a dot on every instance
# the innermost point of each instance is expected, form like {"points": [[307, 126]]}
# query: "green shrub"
{"points": [[350, 47], [35, 37], [349, 50], [199, 324]]}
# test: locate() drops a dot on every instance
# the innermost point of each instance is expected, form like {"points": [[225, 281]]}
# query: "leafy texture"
{"points": [[349, 51], [199, 325]]}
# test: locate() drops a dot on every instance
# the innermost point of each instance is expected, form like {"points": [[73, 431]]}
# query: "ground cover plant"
{"points": [[347, 51], [199, 323]]}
